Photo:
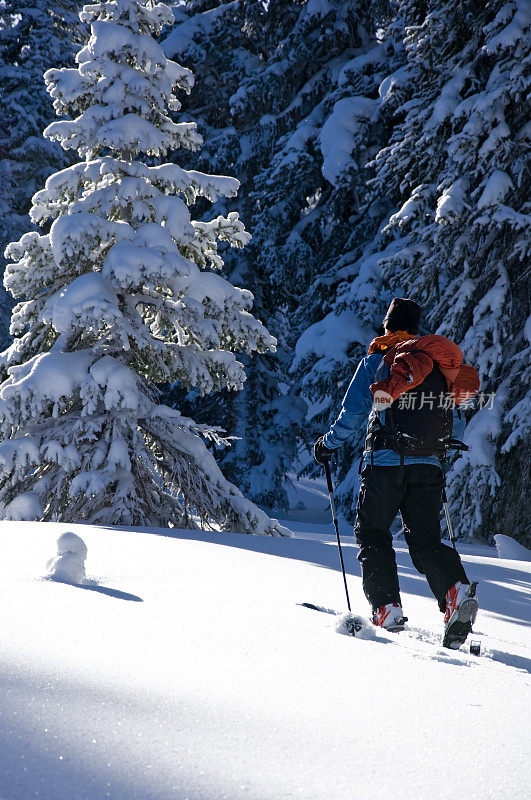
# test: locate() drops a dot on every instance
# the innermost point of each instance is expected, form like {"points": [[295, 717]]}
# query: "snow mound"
{"points": [[68, 566], [510, 548]]}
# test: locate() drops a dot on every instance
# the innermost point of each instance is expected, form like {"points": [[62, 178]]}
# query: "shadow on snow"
{"points": [[506, 596]]}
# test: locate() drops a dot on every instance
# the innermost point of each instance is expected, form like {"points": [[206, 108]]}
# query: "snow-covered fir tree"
{"points": [[33, 35], [459, 162], [233, 43], [284, 121], [343, 308], [122, 293]]}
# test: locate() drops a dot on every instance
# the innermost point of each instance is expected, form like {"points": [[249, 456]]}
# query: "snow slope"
{"points": [[188, 669]]}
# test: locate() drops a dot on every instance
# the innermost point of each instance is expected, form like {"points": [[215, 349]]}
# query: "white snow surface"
{"points": [[185, 667]]}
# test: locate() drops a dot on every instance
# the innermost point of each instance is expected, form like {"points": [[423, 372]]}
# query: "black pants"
{"points": [[419, 499]]}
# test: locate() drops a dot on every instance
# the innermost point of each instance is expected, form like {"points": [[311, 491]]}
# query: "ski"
{"points": [[320, 608]]}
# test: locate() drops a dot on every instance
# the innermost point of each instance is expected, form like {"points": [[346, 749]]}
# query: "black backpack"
{"points": [[418, 423]]}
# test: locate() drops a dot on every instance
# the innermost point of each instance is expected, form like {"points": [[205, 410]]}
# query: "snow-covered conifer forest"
{"points": [[333, 155], [321, 156], [383, 149], [206, 208], [116, 297], [34, 34]]}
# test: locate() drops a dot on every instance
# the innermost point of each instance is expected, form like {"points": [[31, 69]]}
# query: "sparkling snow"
{"points": [[185, 667]]}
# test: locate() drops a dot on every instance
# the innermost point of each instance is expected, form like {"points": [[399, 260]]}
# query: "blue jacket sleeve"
{"points": [[357, 403]]}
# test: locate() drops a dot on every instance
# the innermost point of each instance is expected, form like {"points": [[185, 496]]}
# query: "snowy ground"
{"points": [[190, 670]]}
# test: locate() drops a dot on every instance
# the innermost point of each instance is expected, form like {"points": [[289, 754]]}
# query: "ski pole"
{"points": [[448, 520], [336, 524]]}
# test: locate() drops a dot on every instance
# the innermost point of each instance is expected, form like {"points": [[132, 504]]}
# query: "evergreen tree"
{"points": [[232, 43], [122, 293], [287, 96], [344, 306], [33, 35], [459, 162]]}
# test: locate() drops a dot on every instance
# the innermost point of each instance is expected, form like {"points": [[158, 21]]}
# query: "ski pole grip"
{"points": [[328, 478]]}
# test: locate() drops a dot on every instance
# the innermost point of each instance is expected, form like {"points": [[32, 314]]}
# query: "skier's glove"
{"points": [[321, 452]]}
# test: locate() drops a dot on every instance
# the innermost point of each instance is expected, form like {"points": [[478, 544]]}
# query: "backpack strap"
{"points": [[376, 434], [383, 437], [378, 375], [400, 476]]}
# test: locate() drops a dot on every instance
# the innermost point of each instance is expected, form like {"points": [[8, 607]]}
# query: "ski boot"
{"points": [[390, 617], [460, 615]]}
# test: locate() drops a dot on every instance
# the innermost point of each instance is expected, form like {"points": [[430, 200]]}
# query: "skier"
{"points": [[408, 385]]}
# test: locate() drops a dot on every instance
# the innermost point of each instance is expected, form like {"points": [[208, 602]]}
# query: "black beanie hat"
{"points": [[402, 315]]}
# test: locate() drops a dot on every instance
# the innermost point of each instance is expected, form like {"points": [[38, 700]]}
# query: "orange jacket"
{"points": [[411, 361]]}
